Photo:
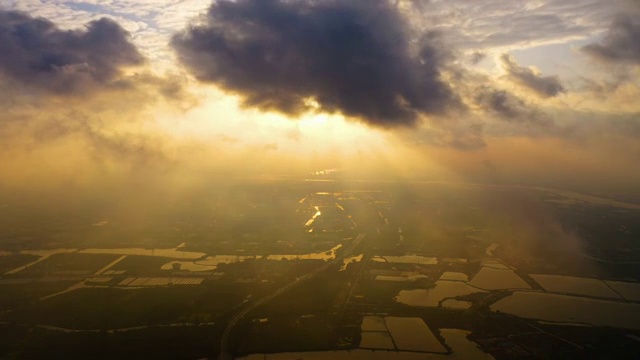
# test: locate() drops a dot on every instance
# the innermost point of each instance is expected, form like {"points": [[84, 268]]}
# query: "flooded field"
{"points": [[349, 260], [495, 264], [462, 347], [374, 334], [401, 278], [48, 253], [325, 255], [376, 340], [490, 278], [170, 253], [433, 297], [454, 276], [412, 334], [570, 309], [456, 339], [206, 263], [406, 259], [215, 260], [491, 248], [575, 285], [373, 323], [456, 304], [188, 266], [400, 333]]}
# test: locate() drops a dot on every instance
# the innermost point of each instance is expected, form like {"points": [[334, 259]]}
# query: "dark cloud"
{"points": [[476, 57], [501, 102], [352, 57], [39, 55], [523, 117], [545, 86], [621, 43]]}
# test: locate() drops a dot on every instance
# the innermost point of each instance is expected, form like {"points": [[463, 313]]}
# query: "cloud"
{"points": [[621, 44], [39, 55], [544, 86], [70, 92], [476, 57], [502, 103], [356, 58], [517, 117]]}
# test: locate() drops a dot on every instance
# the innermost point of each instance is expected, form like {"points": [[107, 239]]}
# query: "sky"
{"points": [[158, 94]]}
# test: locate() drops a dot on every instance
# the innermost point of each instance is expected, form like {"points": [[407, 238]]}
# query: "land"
{"points": [[297, 266]]}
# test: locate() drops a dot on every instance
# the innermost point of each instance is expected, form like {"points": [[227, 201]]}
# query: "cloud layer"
{"points": [[356, 58], [39, 55]]}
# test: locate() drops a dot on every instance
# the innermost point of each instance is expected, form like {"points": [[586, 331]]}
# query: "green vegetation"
{"points": [[23, 294], [184, 342], [9, 262], [113, 308], [69, 263], [142, 265]]}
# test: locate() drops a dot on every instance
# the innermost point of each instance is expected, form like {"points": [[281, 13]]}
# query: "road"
{"points": [[225, 353]]}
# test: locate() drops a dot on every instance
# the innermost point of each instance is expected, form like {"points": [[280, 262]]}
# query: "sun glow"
{"points": [[220, 119]]}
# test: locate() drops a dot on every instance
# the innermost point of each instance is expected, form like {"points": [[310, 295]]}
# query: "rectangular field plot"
{"points": [[69, 264], [376, 340], [412, 334], [117, 308], [575, 285], [373, 323], [628, 290]]}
